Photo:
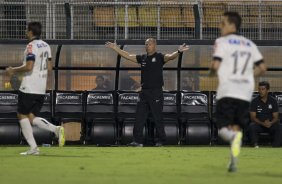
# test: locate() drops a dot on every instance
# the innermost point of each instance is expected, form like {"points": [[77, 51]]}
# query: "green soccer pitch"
{"points": [[122, 165]]}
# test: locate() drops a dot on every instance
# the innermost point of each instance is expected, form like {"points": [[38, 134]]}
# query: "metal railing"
{"points": [[128, 19], [77, 63]]}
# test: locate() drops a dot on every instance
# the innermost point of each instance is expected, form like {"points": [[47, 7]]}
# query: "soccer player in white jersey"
{"points": [[36, 63], [236, 60]]}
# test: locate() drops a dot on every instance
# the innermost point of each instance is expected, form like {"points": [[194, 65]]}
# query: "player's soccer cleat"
{"points": [[236, 144], [135, 144], [34, 151], [235, 151], [61, 136], [256, 145], [159, 144], [232, 167]]}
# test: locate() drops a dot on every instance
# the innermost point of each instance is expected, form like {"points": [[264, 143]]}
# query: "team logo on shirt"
{"points": [[270, 106], [154, 60], [239, 42], [259, 109]]}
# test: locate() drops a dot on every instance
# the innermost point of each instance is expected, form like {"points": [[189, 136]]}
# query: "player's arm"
{"points": [[172, 56], [214, 66], [50, 64], [27, 67], [260, 68], [49, 60], [218, 55], [122, 53]]}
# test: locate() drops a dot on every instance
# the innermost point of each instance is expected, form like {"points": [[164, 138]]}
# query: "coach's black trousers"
{"points": [[274, 131], [150, 100]]}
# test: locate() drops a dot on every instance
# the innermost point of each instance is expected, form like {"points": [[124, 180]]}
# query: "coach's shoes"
{"points": [[135, 144], [236, 144], [61, 135], [34, 151]]}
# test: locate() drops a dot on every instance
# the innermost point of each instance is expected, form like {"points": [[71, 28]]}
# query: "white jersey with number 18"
{"points": [[35, 81], [236, 71]]}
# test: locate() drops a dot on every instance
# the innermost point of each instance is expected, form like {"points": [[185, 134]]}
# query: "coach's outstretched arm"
{"points": [[122, 53], [172, 56]]}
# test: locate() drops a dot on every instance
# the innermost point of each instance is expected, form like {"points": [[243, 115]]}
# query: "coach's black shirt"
{"points": [[151, 70], [264, 110]]}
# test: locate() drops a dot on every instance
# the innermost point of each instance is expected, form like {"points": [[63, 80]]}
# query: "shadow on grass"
{"points": [[65, 156], [267, 174], [50, 155]]}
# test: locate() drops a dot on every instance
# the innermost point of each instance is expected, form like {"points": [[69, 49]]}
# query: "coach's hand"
{"points": [[10, 71], [111, 45], [183, 48], [267, 123]]}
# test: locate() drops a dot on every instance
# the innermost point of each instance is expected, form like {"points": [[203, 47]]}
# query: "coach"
{"points": [[151, 95], [264, 116]]}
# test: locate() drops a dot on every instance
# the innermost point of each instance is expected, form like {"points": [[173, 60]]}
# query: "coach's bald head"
{"points": [[151, 46]]}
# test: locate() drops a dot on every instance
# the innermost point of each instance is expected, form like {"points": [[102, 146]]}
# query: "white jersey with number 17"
{"points": [[236, 71], [35, 81]]}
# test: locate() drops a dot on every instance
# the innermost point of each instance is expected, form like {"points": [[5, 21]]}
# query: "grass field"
{"points": [[110, 165]]}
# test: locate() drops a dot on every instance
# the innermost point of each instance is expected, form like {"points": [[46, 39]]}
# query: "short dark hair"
{"points": [[234, 18], [265, 83], [35, 28]]}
